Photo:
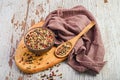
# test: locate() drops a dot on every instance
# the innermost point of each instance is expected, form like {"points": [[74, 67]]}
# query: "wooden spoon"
{"points": [[64, 49]]}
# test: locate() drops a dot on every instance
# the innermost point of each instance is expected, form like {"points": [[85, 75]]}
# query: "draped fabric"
{"points": [[88, 53]]}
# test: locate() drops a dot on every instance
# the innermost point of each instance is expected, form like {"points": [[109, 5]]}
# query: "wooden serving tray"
{"points": [[42, 62]]}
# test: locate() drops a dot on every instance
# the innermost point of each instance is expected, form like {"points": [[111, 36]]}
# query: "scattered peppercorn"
{"points": [[50, 69], [24, 47], [20, 61], [60, 74], [40, 58], [57, 65], [61, 77], [43, 76], [53, 75], [38, 63], [47, 62], [57, 70]]}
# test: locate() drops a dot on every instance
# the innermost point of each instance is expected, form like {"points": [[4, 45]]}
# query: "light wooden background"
{"points": [[16, 16]]}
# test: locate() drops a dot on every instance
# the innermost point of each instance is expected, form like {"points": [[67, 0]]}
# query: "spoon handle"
{"points": [[85, 30]]}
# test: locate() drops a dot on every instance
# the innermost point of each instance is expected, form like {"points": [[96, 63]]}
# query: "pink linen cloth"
{"points": [[88, 53]]}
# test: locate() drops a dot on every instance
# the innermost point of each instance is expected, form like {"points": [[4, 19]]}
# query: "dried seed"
{"points": [[24, 54], [40, 59], [38, 63], [42, 76], [60, 76], [57, 70], [47, 63], [22, 59]]}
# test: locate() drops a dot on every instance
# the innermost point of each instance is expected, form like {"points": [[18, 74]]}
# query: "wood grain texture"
{"points": [[16, 16]]}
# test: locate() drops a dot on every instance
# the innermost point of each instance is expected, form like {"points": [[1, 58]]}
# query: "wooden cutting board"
{"points": [[28, 62]]}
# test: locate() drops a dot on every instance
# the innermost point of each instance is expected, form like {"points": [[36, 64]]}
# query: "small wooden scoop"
{"points": [[64, 49]]}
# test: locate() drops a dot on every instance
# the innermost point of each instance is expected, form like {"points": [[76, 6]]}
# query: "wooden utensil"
{"points": [[64, 49]]}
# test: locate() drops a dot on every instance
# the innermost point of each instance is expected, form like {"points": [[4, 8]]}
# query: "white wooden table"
{"points": [[16, 16]]}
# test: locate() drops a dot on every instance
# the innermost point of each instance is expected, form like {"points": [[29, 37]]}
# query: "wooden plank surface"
{"points": [[16, 16]]}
